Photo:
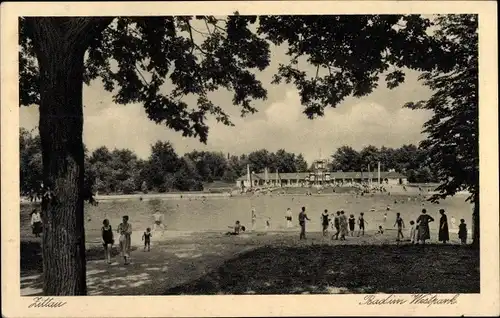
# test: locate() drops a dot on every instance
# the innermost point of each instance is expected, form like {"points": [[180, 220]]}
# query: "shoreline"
{"points": [[198, 195]]}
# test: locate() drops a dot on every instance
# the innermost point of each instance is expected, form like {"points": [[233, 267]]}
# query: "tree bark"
{"points": [[60, 45]]}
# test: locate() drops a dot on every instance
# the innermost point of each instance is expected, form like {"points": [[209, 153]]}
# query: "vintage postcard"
{"points": [[291, 158]]}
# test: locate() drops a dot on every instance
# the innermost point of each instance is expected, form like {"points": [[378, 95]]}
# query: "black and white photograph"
{"points": [[244, 153]]}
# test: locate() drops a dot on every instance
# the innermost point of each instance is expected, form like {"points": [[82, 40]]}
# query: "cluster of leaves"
{"points": [[453, 142], [408, 159], [350, 53]]}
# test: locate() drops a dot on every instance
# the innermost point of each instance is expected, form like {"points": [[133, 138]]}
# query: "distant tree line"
{"points": [[408, 159], [122, 171]]}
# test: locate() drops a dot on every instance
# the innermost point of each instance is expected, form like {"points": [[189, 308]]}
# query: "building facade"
{"points": [[319, 176]]}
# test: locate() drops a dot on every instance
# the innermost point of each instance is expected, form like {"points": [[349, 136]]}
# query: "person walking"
{"points": [[302, 222], [125, 231], [444, 233]]}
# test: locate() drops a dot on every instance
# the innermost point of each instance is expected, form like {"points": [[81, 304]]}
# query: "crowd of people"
{"points": [[343, 226]]}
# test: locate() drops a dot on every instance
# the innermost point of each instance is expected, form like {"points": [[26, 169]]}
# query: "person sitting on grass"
{"points": [[380, 230], [236, 229], [146, 237]]}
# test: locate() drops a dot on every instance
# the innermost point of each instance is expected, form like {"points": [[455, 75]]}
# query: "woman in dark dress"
{"points": [[444, 234], [423, 226]]}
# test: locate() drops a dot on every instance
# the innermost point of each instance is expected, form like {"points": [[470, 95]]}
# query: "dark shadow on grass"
{"points": [[321, 269], [31, 262]]}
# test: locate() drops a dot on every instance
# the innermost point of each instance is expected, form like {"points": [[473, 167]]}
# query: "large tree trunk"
{"points": [[60, 45], [475, 222]]}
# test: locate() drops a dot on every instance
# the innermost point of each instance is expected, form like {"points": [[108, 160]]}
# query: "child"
{"points": [[125, 230], [268, 223], [413, 232], [107, 239], [401, 225], [361, 223], [462, 232], [352, 224], [146, 237], [380, 229]]}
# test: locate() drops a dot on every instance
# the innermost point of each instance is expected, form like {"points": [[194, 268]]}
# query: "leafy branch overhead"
{"points": [[453, 141], [157, 61]]}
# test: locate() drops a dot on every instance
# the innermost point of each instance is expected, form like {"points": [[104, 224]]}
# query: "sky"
{"points": [[377, 119]]}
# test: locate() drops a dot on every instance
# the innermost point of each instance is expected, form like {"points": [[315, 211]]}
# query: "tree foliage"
{"points": [[452, 145], [158, 61], [407, 159]]}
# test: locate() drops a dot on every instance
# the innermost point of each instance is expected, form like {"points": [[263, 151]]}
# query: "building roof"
{"points": [[333, 175]]}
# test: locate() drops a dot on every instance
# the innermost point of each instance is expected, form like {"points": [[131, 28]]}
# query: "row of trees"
{"points": [[408, 159], [122, 171]]}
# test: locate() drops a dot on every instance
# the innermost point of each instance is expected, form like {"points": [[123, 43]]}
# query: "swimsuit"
{"points": [[147, 238], [107, 235]]}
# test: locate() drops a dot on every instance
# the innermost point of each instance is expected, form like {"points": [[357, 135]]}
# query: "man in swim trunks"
{"points": [[158, 221]]}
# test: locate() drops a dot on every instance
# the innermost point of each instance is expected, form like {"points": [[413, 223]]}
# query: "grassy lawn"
{"points": [[215, 265], [324, 269]]}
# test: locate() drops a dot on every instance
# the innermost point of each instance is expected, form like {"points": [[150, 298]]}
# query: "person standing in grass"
{"points": [[107, 239], [146, 237], [36, 223], [361, 223], [288, 218], [462, 232], [413, 232], [125, 231], [302, 222], [325, 221], [423, 226], [336, 224], [343, 225], [401, 225], [254, 219], [444, 234], [352, 224]]}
